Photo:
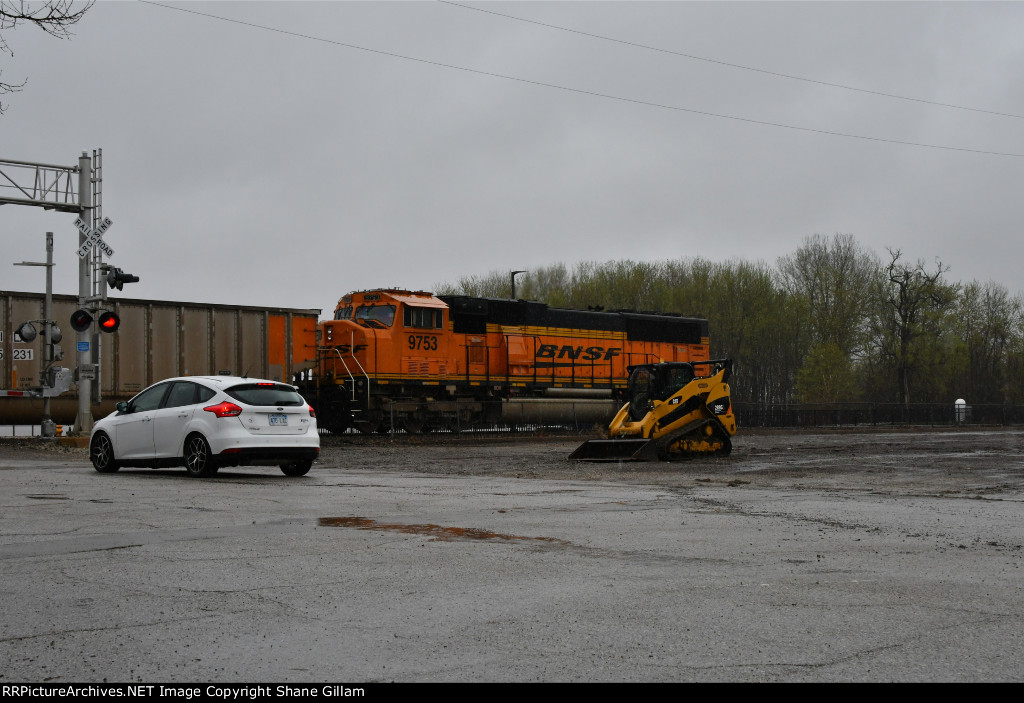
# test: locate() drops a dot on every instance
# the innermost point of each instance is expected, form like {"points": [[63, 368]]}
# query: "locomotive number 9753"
{"points": [[423, 341]]}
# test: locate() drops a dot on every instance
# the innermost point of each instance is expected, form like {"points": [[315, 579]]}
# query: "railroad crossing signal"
{"points": [[80, 320], [93, 237], [116, 278], [27, 332], [109, 322]]}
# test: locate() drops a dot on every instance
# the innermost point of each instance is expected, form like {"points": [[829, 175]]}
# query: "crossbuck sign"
{"points": [[93, 237]]}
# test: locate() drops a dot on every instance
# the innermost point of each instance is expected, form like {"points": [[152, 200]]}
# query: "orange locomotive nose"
{"points": [[344, 335]]}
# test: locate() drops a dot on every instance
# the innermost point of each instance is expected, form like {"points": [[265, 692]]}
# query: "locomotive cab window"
{"points": [[375, 315], [344, 313], [423, 318]]}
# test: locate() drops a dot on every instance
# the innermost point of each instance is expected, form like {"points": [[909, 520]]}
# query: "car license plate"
{"points": [[278, 419]]}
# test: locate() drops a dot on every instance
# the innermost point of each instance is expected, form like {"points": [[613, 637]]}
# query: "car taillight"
{"points": [[224, 409], [312, 412]]}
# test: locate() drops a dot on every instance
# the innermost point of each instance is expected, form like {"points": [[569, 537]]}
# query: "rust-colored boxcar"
{"points": [[157, 339]]}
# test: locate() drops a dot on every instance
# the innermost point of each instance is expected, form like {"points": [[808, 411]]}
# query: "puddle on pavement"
{"points": [[438, 532]]}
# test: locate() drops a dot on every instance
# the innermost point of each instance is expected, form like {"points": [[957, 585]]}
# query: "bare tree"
{"points": [[55, 17], [911, 294]]}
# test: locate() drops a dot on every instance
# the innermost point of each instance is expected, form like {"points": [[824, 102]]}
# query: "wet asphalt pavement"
{"points": [[893, 556]]}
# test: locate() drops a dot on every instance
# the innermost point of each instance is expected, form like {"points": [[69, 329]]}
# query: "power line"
{"points": [[731, 65], [578, 91]]}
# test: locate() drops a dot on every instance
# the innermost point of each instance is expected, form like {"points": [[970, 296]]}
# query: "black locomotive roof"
{"points": [[472, 315]]}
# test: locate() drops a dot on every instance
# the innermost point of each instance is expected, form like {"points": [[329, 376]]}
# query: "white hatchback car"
{"points": [[206, 422]]}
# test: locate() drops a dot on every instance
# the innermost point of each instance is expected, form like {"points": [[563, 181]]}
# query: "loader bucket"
{"points": [[610, 450]]}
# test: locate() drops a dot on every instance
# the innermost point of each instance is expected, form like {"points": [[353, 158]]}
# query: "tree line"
{"points": [[833, 322]]}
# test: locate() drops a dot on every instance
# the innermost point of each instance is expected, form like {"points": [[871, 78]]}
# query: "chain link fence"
{"points": [[875, 414]]}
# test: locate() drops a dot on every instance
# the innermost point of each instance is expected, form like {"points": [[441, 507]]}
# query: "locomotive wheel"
{"points": [[334, 426], [413, 425]]}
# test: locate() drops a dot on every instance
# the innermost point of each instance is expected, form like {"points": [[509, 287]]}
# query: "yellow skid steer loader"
{"points": [[671, 413]]}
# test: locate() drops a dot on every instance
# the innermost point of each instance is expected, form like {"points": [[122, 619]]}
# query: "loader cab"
{"points": [[650, 382]]}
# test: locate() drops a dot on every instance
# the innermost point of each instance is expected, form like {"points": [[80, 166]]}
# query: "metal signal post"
{"points": [[94, 278], [53, 187], [86, 370]]}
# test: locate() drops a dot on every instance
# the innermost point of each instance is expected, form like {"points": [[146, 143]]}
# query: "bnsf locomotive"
{"points": [[416, 361]]}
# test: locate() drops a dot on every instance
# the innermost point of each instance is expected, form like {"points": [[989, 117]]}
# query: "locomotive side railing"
{"points": [[348, 371]]}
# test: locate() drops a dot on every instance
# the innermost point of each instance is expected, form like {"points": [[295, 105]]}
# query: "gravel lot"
{"points": [[901, 462], [912, 461]]}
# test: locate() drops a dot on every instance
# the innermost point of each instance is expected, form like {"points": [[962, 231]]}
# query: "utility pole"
{"points": [[47, 428]]}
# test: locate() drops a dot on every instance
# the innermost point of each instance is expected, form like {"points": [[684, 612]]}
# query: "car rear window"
{"points": [[265, 394]]}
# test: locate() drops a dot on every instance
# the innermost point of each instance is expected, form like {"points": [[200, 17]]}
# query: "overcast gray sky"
{"points": [[307, 149]]}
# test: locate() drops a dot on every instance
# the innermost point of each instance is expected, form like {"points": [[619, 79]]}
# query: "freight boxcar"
{"points": [[156, 340]]}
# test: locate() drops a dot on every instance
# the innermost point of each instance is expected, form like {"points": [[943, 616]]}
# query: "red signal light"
{"points": [[109, 322], [224, 409]]}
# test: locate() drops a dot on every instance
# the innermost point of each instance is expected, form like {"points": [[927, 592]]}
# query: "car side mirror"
{"points": [[122, 407]]}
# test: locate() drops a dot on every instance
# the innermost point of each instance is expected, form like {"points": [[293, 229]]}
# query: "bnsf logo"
{"points": [[348, 349], [553, 351]]}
